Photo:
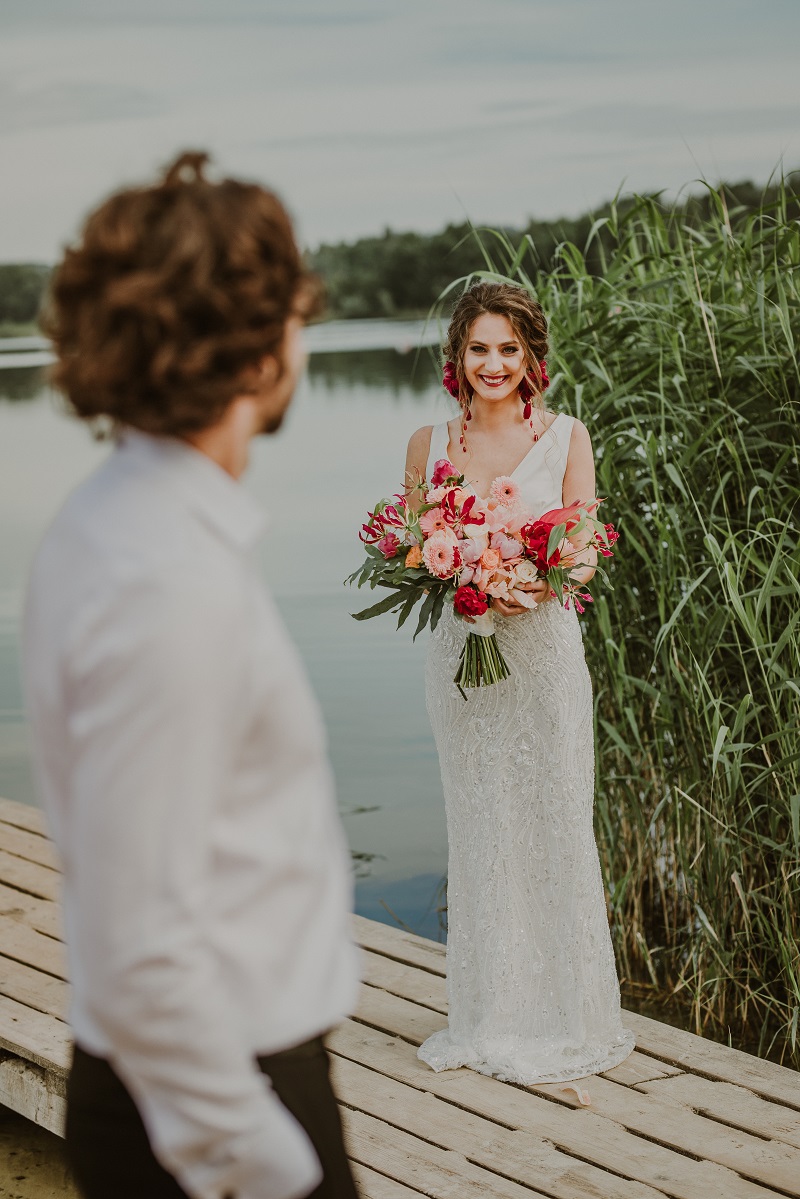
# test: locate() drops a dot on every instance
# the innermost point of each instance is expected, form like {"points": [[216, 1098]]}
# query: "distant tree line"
{"points": [[403, 274]]}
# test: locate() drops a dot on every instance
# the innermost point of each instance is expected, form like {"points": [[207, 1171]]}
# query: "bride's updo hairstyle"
{"points": [[171, 296], [524, 315]]}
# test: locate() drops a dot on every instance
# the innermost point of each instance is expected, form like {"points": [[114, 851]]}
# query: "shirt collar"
{"points": [[217, 498]]}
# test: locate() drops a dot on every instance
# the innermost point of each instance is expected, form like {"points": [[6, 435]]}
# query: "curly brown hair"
{"points": [[172, 292], [522, 312]]}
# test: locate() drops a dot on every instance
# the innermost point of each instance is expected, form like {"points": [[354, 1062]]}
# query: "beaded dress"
{"points": [[531, 979]]}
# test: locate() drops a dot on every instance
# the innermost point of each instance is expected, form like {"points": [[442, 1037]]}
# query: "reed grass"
{"points": [[681, 355]]}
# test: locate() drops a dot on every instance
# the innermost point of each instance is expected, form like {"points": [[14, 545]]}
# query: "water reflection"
{"points": [[414, 372], [20, 383]]}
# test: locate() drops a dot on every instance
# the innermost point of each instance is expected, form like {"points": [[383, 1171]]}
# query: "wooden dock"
{"points": [[682, 1117]]}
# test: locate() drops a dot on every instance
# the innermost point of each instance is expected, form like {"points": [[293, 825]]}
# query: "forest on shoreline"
{"points": [[402, 274]]}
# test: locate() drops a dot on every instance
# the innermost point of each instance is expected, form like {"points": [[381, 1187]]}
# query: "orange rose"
{"points": [[414, 556]]}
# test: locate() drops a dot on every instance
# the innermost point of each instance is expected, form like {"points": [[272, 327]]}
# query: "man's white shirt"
{"points": [[183, 767]]}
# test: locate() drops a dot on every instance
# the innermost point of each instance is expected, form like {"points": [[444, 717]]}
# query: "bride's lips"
{"points": [[493, 380]]}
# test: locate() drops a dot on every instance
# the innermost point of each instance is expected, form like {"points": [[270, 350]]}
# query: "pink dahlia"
{"points": [[441, 556], [432, 522], [505, 491]]}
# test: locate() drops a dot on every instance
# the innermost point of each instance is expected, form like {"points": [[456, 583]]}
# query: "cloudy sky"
{"points": [[407, 113]]}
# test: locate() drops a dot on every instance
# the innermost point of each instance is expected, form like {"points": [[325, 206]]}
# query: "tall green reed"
{"points": [[680, 352]]}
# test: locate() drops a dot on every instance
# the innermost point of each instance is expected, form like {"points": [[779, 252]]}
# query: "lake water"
{"points": [[343, 446]]}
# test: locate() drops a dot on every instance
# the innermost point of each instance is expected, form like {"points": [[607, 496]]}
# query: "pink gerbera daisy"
{"points": [[441, 556], [504, 491], [432, 522]]}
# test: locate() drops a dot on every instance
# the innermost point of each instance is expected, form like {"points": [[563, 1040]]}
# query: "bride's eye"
{"points": [[510, 349], [477, 349]]}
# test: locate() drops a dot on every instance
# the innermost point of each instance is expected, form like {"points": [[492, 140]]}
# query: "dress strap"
{"points": [[564, 431], [440, 436]]}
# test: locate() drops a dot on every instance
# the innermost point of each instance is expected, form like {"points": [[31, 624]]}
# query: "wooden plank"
{"points": [[392, 1014], [372, 1185], [638, 1068], [34, 1036], [770, 1162], [438, 1173], [29, 877], [30, 846], [577, 1132], [731, 1104], [30, 987], [512, 1153], [394, 943], [701, 1056], [41, 914], [413, 983], [24, 944], [34, 1093], [22, 815], [774, 1164]]}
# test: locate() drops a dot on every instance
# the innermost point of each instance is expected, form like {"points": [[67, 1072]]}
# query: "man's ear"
{"points": [[268, 370]]}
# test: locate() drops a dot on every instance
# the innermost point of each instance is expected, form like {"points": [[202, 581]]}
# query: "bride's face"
{"points": [[494, 361]]}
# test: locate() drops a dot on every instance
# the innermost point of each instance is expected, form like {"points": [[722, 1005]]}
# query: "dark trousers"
{"points": [[110, 1154]]}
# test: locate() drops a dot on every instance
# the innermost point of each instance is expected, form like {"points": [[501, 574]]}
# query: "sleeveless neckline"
{"points": [[521, 462]]}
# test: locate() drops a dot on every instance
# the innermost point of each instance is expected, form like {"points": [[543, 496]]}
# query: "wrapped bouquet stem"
{"points": [[481, 662]]}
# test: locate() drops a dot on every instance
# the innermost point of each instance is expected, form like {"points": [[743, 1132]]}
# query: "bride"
{"points": [[532, 986]]}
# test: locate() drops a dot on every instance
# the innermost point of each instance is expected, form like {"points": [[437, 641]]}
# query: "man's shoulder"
{"points": [[123, 532], [120, 514]]}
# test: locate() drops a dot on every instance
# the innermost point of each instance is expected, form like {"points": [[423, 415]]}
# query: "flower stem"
{"points": [[481, 664]]}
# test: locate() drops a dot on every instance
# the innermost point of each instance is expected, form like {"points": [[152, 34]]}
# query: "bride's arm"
{"points": [[416, 463], [579, 484]]}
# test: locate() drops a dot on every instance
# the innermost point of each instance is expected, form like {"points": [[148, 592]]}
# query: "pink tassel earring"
{"points": [[526, 394], [466, 417]]}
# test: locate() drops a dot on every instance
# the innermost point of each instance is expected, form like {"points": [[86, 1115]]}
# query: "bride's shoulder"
{"points": [[422, 437], [579, 447], [576, 428], [419, 446]]}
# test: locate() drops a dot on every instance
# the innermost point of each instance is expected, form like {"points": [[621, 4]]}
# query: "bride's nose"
{"points": [[494, 363]]}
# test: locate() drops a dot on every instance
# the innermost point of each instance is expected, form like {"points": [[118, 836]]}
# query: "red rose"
{"points": [[535, 538], [389, 545], [467, 601]]}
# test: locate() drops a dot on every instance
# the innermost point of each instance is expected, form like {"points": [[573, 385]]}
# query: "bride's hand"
{"points": [[540, 591], [507, 607]]}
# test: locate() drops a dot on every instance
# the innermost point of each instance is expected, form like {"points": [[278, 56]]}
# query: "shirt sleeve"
{"points": [[157, 687]]}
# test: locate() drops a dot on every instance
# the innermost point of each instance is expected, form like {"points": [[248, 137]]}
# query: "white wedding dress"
{"points": [[531, 980]]}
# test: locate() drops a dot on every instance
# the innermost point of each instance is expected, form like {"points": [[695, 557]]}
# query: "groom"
{"points": [[180, 752]]}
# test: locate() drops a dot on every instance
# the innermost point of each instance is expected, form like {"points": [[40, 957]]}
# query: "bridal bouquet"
{"points": [[462, 550]]}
